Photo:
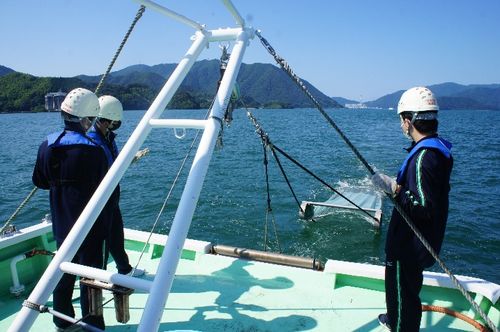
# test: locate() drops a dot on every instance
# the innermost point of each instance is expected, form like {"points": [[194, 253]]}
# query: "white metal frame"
{"points": [[159, 288]]}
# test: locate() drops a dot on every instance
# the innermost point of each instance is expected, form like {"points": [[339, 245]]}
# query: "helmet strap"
{"points": [[413, 118], [407, 131], [102, 125], [89, 128]]}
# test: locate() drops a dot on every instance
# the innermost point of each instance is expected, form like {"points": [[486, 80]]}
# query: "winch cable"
{"points": [[141, 10], [269, 208], [285, 67], [265, 142], [271, 146]]}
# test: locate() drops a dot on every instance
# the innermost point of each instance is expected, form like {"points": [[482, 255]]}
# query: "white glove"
{"points": [[139, 155], [384, 183]]}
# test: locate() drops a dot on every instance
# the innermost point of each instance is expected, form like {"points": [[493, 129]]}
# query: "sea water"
{"points": [[234, 208]]}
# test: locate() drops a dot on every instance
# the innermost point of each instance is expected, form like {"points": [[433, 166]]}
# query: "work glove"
{"points": [[139, 155], [384, 183]]}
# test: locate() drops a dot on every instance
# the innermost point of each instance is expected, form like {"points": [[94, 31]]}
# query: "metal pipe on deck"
{"points": [[17, 288], [103, 275], [268, 257]]}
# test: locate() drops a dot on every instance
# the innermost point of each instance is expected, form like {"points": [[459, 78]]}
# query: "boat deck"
{"points": [[220, 293]]}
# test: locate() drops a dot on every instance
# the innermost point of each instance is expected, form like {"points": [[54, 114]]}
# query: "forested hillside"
{"points": [[26, 93], [260, 85]]}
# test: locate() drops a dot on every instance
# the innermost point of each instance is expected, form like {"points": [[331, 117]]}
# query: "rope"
{"points": [[33, 191], [137, 17], [265, 142], [284, 66], [284, 175]]}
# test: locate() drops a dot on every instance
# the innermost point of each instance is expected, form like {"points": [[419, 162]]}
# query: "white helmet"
{"points": [[81, 103], [419, 99], [111, 108]]}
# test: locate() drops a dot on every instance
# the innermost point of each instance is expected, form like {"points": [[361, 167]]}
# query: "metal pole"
{"points": [[162, 284], [169, 13], [229, 5]]}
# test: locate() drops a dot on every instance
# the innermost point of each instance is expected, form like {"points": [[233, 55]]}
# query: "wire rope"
{"points": [[33, 191], [138, 16], [269, 208]]}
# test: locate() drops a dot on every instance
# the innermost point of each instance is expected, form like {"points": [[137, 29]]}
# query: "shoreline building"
{"points": [[53, 101], [360, 105]]}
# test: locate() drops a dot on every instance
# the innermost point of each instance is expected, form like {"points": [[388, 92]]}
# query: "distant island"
{"points": [[261, 86]]}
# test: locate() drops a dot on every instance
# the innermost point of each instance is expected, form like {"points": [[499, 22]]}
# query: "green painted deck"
{"points": [[219, 293]]}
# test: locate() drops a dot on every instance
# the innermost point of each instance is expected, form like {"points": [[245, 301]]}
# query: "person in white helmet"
{"points": [[109, 119], [421, 189], [71, 165]]}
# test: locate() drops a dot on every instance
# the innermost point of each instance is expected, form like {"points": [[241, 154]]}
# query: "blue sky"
{"points": [[345, 48]]}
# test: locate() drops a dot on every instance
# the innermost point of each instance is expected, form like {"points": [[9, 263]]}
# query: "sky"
{"points": [[351, 48]]}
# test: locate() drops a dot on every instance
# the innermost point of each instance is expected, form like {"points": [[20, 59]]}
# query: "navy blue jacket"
{"points": [[425, 187], [71, 166], [109, 145], [106, 141]]}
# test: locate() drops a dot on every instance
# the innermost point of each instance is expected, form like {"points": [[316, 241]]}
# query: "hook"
{"points": [[180, 136]]}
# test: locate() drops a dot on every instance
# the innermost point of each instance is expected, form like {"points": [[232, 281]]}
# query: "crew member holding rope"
{"points": [[110, 119], [421, 189]]}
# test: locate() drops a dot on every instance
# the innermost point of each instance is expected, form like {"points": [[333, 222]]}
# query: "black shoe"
{"points": [[384, 321]]}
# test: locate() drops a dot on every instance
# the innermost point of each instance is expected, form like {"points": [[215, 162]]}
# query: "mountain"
{"points": [[5, 70], [343, 101], [452, 96], [264, 84]]}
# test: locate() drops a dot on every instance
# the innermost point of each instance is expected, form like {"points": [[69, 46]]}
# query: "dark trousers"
{"points": [[89, 255], [116, 243], [403, 283]]}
